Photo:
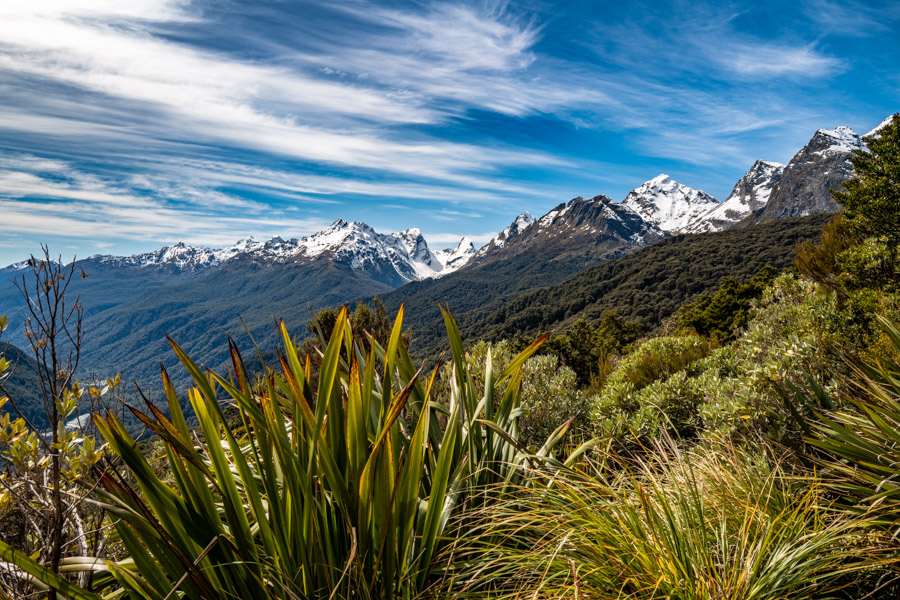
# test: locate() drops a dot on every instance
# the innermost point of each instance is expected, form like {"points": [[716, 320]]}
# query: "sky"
{"points": [[126, 126]]}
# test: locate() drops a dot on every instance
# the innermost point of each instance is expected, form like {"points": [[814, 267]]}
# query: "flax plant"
{"points": [[861, 444], [341, 491]]}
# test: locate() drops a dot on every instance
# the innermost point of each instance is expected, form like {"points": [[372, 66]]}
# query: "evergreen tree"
{"points": [[872, 197], [872, 214]]}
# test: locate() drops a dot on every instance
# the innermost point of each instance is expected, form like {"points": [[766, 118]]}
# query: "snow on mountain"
{"points": [[822, 165], [16, 266], [600, 216], [453, 259], [668, 204], [875, 132], [241, 247], [512, 230], [750, 193], [590, 227], [364, 249], [179, 255], [404, 254], [842, 139]]}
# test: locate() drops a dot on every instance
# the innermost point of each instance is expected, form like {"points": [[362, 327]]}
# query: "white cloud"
{"points": [[150, 10], [775, 60], [198, 95], [850, 18], [462, 38], [457, 56], [315, 187], [51, 198]]}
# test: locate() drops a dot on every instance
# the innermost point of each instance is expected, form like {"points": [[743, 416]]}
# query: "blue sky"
{"points": [[125, 126]]}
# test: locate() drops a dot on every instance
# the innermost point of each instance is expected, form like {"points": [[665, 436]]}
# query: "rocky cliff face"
{"points": [[822, 165], [455, 258], [583, 226], [504, 237]]}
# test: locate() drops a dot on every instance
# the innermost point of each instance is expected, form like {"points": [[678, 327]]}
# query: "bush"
{"points": [[344, 489], [550, 394], [550, 397], [648, 392], [724, 313], [584, 345]]}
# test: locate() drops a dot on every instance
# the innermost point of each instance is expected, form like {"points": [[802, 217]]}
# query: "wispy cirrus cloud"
{"points": [[767, 60], [110, 86], [52, 198], [213, 98], [852, 18]]}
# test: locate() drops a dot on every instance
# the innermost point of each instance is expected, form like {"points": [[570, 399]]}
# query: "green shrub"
{"points": [[725, 312], [550, 395], [795, 330], [685, 386], [658, 358], [648, 392], [550, 398], [583, 346]]}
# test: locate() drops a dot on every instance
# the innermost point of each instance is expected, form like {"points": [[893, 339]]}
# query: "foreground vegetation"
{"points": [[745, 450]]}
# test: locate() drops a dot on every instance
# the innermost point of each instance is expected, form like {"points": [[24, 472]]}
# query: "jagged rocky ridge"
{"points": [[769, 191], [751, 193], [578, 222], [404, 255], [659, 207], [822, 165]]}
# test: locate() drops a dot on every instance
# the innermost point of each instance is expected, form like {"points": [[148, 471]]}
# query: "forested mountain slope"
{"points": [[129, 309], [647, 285], [21, 383]]}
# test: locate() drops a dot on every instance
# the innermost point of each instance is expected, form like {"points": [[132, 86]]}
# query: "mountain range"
{"points": [[199, 295]]}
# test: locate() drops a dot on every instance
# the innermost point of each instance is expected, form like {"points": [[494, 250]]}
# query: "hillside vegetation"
{"points": [[23, 385], [128, 312], [646, 286], [503, 278]]}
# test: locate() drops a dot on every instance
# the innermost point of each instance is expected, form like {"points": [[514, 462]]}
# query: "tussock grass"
{"points": [[706, 524]]}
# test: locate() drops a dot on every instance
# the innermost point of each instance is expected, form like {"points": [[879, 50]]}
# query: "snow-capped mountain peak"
{"points": [[522, 222], [750, 193], [417, 247], [875, 133], [669, 205], [513, 229], [394, 257], [179, 255], [842, 139], [454, 258], [340, 235], [822, 165]]}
